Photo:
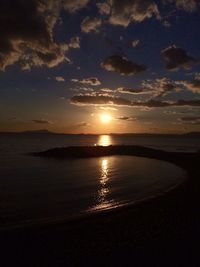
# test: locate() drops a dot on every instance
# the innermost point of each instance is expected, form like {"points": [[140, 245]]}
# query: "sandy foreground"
{"points": [[162, 231]]}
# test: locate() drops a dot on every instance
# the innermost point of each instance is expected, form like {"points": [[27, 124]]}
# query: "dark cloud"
{"points": [[177, 58], [105, 99], [125, 90], [190, 120], [42, 121], [27, 32], [99, 99], [127, 11], [193, 103], [88, 81], [126, 118], [122, 65]]}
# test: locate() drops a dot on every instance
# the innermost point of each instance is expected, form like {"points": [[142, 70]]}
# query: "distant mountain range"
{"points": [[44, 131]]}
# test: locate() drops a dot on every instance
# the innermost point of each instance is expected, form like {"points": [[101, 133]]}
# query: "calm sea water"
{"points": [[35, 190]]}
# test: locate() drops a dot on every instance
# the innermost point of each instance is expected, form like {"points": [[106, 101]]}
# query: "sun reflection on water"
{"points": [[103, 180], [104, 140], [102, 200]]}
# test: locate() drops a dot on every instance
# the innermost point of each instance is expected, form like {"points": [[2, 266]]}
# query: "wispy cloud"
{"points": [[88, 81], [127, 118], [83, 124], [125, 90], [42, 121]]}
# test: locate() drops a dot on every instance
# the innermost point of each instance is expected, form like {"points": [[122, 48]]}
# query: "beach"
{"points": [[162, 231]]}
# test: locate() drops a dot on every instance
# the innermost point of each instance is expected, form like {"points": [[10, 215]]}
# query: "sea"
{"points": [[37, 190]]}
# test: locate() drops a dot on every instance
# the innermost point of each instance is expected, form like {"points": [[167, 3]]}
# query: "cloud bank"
{"points": [[105, 99]]}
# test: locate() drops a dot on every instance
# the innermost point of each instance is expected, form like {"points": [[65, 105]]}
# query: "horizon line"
{"points": [[43, 131]]}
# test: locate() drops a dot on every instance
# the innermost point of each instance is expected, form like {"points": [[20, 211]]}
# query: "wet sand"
{"points": [[163, 231]]}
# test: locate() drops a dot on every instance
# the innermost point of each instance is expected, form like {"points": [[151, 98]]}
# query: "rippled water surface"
{"points": [[33, 190]]}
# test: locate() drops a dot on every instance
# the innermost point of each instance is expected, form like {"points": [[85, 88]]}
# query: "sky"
{"points": [[114, 66]]}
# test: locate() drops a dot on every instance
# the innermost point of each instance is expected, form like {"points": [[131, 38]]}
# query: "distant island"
{"points": [[45, 131]]}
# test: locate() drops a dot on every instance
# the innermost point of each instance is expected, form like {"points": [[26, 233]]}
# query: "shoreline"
{"points": [[161, 231], [74, 152]]}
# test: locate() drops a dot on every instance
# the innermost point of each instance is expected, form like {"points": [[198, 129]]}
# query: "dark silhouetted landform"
{"points": [[181, 159]]}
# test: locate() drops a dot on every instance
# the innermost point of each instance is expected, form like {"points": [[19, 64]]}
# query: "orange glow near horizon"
{"points": [[105, 140]]}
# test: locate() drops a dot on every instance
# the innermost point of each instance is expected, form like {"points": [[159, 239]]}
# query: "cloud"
{"points": [[74, 42], [187, 5], [104, 8], [177, 58], [161, 87], [107, 90], [75, 5], [42, 121], [126, 118], [122, 65], [27, 32], [85, 89], [192, 85], [59, 79], [12, 119], [105, 99], [93, 81], [82, 124], [108, 108], [190, 120], [90, 24], [166, 24], [127, 11], [99, 99], [125, 90]]}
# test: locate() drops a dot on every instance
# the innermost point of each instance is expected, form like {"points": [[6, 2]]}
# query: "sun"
{"points": [[105, 118]]}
